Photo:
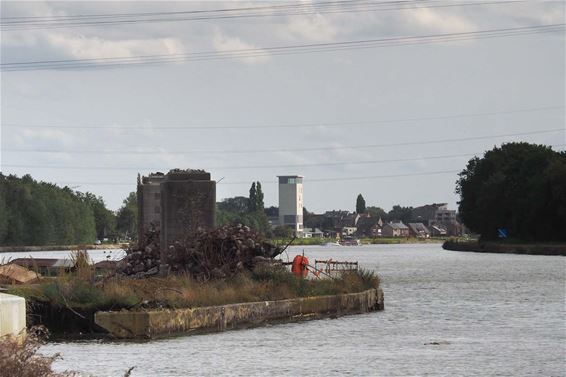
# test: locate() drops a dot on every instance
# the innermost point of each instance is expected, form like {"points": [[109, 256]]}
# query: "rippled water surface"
{"points": [[491, 314]]}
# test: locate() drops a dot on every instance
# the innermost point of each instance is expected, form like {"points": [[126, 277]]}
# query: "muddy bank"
{"points": [[506, 248]]}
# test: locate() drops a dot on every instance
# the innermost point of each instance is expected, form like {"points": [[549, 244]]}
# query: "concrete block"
{"points": [[12, 316], [157, 323]]}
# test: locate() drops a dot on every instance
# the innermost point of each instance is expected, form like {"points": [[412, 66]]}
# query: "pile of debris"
{"points": [[221, 252], [203, 254], [142, 260]]}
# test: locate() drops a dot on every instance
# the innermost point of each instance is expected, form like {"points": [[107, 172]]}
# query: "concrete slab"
{"points": [[12, 316]]}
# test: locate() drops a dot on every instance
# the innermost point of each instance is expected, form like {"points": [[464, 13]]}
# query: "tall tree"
{"points": [[520, 187], [259, 197], [104, 219], [253, 198], [399, 213], [360, 204], [377, 212], [127, 216]]}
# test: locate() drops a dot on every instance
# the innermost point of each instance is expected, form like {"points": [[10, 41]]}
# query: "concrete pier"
{"points": [[12, 316], [158, 323]]}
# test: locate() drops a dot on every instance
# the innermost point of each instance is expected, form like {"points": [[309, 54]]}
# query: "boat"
{"points": [[332, 244], [350, 241]]}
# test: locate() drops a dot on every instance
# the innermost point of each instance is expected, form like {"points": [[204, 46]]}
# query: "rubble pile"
{"points": [[221, 252], [203, 254], [142, 260]]}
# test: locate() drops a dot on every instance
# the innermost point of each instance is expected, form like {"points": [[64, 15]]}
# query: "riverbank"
{"points": [[506, 248], [67, 305], [364, 241], [149, 324], [24, 249]]}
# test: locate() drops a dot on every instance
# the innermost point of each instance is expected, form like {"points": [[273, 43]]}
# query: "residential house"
{"points": [[395, 229], [418, 230], [313, 233], [438, 230], [369, 226], [348, 230]]}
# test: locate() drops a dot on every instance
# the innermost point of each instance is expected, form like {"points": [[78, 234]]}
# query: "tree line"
{"points": [[517, 191], [245, 210], [41, 213]]}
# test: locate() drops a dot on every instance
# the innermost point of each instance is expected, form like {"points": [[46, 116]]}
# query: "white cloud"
{"points": [[223, 43], [315, 27], [82, 47], [436, 21]]}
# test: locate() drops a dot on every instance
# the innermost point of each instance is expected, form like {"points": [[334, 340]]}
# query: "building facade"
{"points": [[291, 202]]}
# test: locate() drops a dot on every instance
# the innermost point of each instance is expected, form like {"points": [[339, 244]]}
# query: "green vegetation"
{"points": [[127, 217], [520, 187], [40, 213], [399, 213], [401, 240], [246, 211], [298, 241], [360, 204]]}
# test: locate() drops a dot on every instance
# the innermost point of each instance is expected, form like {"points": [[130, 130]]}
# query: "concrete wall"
{"points": [[188, 201], [149, 324], [12, 315], [149, 203]]}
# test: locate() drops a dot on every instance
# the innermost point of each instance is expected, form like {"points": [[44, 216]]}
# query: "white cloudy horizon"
{"points": [[373, 121]]}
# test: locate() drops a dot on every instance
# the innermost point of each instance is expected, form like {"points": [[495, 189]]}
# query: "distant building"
{"points": [[418, 230], [313, 233], [291, 202], [369, 227], [438, 230], [438, 214], [395, 229]]}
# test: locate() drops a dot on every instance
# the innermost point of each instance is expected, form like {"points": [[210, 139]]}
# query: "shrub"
{"points": [[23, 360]]}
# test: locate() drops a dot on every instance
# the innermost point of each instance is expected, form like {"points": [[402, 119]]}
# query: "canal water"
{"points": [[446, 314]]}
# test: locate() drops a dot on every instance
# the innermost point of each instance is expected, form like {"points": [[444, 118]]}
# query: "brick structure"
{"points": [[188, 201], [176, 203], [149, 202]]}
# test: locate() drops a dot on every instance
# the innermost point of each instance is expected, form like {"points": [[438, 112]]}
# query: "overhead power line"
{"points": [[243, 167], [259, 150], [362, 123], [269, 181], [277, 50], [285, 10], [240, 167]]}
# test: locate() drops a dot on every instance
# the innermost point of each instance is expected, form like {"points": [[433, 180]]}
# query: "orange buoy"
{"points": [[299, 267]]}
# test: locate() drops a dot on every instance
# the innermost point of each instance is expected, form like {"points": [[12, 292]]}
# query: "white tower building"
{"points": [[291, 202]]}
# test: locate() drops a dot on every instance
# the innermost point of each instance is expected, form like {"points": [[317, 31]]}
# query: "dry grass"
{"points": [[180, 291], [23, 360]]}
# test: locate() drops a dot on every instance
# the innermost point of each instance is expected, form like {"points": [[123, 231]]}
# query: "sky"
{"points": [[395, 122]]}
